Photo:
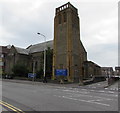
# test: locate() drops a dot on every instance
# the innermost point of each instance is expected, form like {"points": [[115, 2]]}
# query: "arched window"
{"points": [[65, 17], [59, 19], [36, 65]]}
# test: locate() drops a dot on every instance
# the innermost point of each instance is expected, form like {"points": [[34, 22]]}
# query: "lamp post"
{"points": [[33, 68], [44, 56]]}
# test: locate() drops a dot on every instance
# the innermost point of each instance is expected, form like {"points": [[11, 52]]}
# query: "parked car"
{"points": [[8, 77]]}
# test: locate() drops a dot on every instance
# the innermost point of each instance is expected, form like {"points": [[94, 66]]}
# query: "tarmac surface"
{"points": [[38, 96]]}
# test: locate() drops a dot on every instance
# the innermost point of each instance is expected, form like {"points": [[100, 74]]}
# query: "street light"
{"points": [[33, 68], [44, 56]]}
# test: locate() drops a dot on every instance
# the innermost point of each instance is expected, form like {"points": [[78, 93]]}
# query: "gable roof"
{"points": [[40, 47], [33, 48], [21, 50], [91, 62]]}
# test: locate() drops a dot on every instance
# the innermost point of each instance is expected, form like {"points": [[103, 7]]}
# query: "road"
{"points": [[32, 96]]}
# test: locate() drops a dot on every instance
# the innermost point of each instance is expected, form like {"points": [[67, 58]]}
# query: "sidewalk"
{"points": [[102, 84]]}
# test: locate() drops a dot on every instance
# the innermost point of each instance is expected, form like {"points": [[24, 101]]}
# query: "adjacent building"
{"points": [[15, 56], [107, 71], [30, 57], [91, 69], [4, 50], [117, 71]]}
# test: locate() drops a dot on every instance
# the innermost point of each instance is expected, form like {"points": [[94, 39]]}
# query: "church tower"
{"points": [[67, 44]]}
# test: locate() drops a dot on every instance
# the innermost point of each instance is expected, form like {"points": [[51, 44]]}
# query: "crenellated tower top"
{"points": [[65, 7]]}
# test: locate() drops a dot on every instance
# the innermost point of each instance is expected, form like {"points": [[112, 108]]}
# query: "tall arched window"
{"points": [[59, 19], [65, 17], [36, 65]]}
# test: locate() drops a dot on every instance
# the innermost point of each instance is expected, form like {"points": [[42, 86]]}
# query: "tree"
{"points": [[49, 60], [39, 73], [20, 70]]}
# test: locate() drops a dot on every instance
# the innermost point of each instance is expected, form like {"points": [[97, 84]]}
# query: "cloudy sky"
{"points": [[20, 20]]}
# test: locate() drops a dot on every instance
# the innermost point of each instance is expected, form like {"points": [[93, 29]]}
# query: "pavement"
{"points": [[50, 83], [98, 85]]}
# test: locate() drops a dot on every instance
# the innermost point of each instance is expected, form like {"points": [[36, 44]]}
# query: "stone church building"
{"points": [[69, 53]]}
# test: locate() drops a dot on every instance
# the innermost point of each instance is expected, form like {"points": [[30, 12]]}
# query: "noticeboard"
{"points": [[31, 75], [61, 72]]}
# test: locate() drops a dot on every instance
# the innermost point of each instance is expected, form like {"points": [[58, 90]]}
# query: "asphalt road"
{"points": [[47, 97]]}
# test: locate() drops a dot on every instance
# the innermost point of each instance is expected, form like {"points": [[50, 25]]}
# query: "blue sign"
{"points": [[31, 75], [61, 72]]}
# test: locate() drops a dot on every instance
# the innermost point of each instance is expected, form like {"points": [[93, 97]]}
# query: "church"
{"points": [[69, 57]]}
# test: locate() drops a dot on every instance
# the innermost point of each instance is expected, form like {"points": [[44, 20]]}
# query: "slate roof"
{"points": [[22, 51], [40, 47], [107, 68], [34, 48], [92, 63]]}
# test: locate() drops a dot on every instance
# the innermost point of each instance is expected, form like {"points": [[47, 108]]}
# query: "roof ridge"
{"points": [[22, 50], [43, 42]]}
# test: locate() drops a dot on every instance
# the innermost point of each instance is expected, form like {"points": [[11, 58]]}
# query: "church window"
{"points": [[59, 19], [65, 17], [36, 64]]}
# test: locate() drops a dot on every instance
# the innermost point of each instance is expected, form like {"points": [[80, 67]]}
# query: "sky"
{"points": [[20, 20]]}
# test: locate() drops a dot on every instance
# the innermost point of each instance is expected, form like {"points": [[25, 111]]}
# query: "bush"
{"points": [[20, 70], [39, 74]]}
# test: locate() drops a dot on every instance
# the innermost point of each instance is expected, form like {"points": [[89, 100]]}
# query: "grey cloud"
{"points": [[23, 19]]}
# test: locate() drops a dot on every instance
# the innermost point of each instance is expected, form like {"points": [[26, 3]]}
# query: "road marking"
{"points": [[101, 91], [60, 87], [74, 91], [110, 92], [96, 100], [85, 101], [79, 95], [112, 95], [84, 89], [90, 101], [11, 107], [113, 88], [92, 90], [93, 87], [55, 89]]}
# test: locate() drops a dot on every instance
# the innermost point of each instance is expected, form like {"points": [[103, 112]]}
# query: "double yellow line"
{"points": [[13, 108]]}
